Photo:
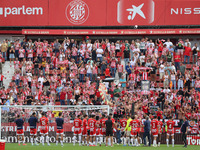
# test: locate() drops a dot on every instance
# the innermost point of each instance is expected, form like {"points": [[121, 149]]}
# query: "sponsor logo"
{"points": [[7, 11], [193, 140], [77, 12], [135, 12], [186, 11]]}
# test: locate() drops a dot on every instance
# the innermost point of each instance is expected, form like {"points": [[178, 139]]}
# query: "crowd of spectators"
{"points": [[68, 72]]}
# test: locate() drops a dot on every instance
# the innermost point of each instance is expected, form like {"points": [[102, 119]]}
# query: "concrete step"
{"points": [[8, 72]]}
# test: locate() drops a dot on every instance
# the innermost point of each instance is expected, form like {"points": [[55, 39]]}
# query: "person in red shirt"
{"points": [[92, 127], [123, 123], [159, 113], [177, 59], [107, 72], [62, 97], [170, 131], [77, 129], [154, 130], [145, 108], [134, 130], [84, 132], [102, 128], [160, 125], [97, 130], [44, 121], [187, 53]]}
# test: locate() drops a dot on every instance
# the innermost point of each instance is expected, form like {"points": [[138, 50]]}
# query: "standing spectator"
{"points": [[4, 48], [120, 69], [122, 81], [179, 47], [12, 54], [56, 47], [161, 72], [36, 66], [99, 53], [63, 97], [116, 93], [153, 72], [180, 81], [17, 77], [142, 59], [166, 80], [168, 43], [187, 53], [21, 54], [182, 68], [195, 50], [113, 67], [173, 79], [126, 55], [17, 46], [177, 60]]}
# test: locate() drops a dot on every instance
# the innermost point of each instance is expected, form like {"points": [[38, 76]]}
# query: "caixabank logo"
{"points": [[135, 11], [77, 12], [23, 10]]}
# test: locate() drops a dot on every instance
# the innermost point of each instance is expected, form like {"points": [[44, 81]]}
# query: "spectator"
{"points": [[4, 47], [187, 53]]}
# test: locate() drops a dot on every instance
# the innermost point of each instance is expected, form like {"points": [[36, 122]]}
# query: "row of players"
{"points": [[95, 130], [92, 131]]}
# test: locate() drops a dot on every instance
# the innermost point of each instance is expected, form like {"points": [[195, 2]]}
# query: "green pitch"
{"points": [[10, 146]]}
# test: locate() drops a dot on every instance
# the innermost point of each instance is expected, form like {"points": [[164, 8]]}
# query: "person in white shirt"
{"points": [[162, 72], [195, 50], [168, 43], [151, 43], [187, 42], [142, 59], [41, 79], [89, 45], [133, 62], [99, 52]]}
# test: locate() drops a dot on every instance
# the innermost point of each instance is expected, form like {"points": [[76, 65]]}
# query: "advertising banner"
{"points": [[24, 13], [99, 12], [111, 32]]}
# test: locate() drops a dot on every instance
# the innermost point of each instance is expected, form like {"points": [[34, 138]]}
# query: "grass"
{"points": [[14, 146]]}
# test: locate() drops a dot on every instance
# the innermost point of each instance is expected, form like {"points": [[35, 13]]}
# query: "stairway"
{"points": [[8, 72]]}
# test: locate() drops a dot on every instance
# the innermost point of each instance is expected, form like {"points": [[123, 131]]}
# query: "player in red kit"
{"points": [[139, 130], [102, 128], [160, 125], [97, 130], [134, 130], [154, 130], [84, 132], [123, 123], [92, 128], [170, 131], [44, 121], [77, 129]]}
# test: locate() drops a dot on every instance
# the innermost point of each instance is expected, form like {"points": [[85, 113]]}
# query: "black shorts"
{"points": [[88, 132], [123, 133], [109, 133]]}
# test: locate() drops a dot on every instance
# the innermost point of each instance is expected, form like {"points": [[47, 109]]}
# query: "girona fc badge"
{"points": [[77, 12]]}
